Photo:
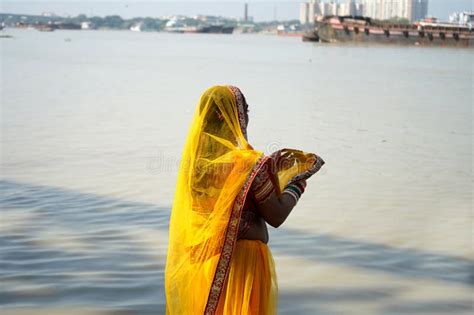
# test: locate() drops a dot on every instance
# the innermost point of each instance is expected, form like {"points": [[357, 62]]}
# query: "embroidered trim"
{"points": [[316, 167], [230, 238], [239, 99]]}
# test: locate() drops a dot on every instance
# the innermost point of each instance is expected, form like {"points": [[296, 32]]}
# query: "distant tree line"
{"points": [[119, 23], [96, 22]]}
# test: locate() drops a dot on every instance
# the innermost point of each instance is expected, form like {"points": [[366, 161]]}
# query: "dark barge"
{"points": [[358, 29], [216, 29]]}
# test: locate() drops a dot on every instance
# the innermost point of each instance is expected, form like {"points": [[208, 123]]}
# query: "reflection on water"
{"points": [[61, 247]]}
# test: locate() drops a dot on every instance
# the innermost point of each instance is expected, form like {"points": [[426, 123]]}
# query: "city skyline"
{"points": [[258, 10]]}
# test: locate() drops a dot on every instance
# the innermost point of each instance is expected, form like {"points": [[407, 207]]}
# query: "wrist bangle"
{"points": [[292, 194], [300, 186], [295, 189]]}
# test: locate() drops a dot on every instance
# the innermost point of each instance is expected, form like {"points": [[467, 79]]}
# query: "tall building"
{"points": [[419, 9], [359, 9], [343, 9], [351, 7], [412, 10], [324, 9], [313, 10], [308, 11], [333, 8], [304, 12]]}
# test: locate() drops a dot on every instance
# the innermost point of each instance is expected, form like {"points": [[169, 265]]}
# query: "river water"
{"points": [[93, 123]]}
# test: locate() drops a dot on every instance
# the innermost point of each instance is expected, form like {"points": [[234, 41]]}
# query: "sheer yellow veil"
{"points": [[217, 168], [216, 163]]}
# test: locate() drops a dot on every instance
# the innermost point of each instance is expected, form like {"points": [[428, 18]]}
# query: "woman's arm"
{"points": [[276, 209]]}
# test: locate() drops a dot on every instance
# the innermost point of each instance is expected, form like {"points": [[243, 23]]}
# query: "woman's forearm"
{"points": [[287, 203], [277, 208]]}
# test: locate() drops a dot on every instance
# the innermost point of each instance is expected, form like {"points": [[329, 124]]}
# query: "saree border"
{"points": [[239, 99], [230, 239]]}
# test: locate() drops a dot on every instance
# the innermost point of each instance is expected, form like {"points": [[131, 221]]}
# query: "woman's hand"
{"points": [[303, 183]]}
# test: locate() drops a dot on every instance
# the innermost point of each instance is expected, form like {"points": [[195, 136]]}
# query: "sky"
{"points": [[261, 10]]}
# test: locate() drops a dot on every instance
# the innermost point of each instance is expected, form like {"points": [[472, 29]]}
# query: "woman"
{"points": [[218, 261]]}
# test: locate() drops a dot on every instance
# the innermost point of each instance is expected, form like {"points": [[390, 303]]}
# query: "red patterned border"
{"points": [[239, 98], [230, 238]]}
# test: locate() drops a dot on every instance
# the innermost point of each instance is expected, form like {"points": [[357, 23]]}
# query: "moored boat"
{"points": [[45, 28], [356, 29], [216, 29], [311, 36]]}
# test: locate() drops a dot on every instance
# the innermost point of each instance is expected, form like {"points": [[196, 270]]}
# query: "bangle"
{"points": [[300, 186], [295, 189], [292, 194]]}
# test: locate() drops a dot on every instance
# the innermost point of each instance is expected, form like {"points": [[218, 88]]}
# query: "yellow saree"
{"points": [[207, 270]]}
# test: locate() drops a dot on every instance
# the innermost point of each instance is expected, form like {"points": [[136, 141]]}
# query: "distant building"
{"points": [[462, 18], [313, 11], [334, 8], [412, 10], [419, 10], [349, 8], [352, 10], [308, 11], [343, 9], [304, 12], [324, 9], [359, 9]]}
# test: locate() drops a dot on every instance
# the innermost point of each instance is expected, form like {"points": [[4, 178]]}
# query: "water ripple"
{"points": [[63, 248]]}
